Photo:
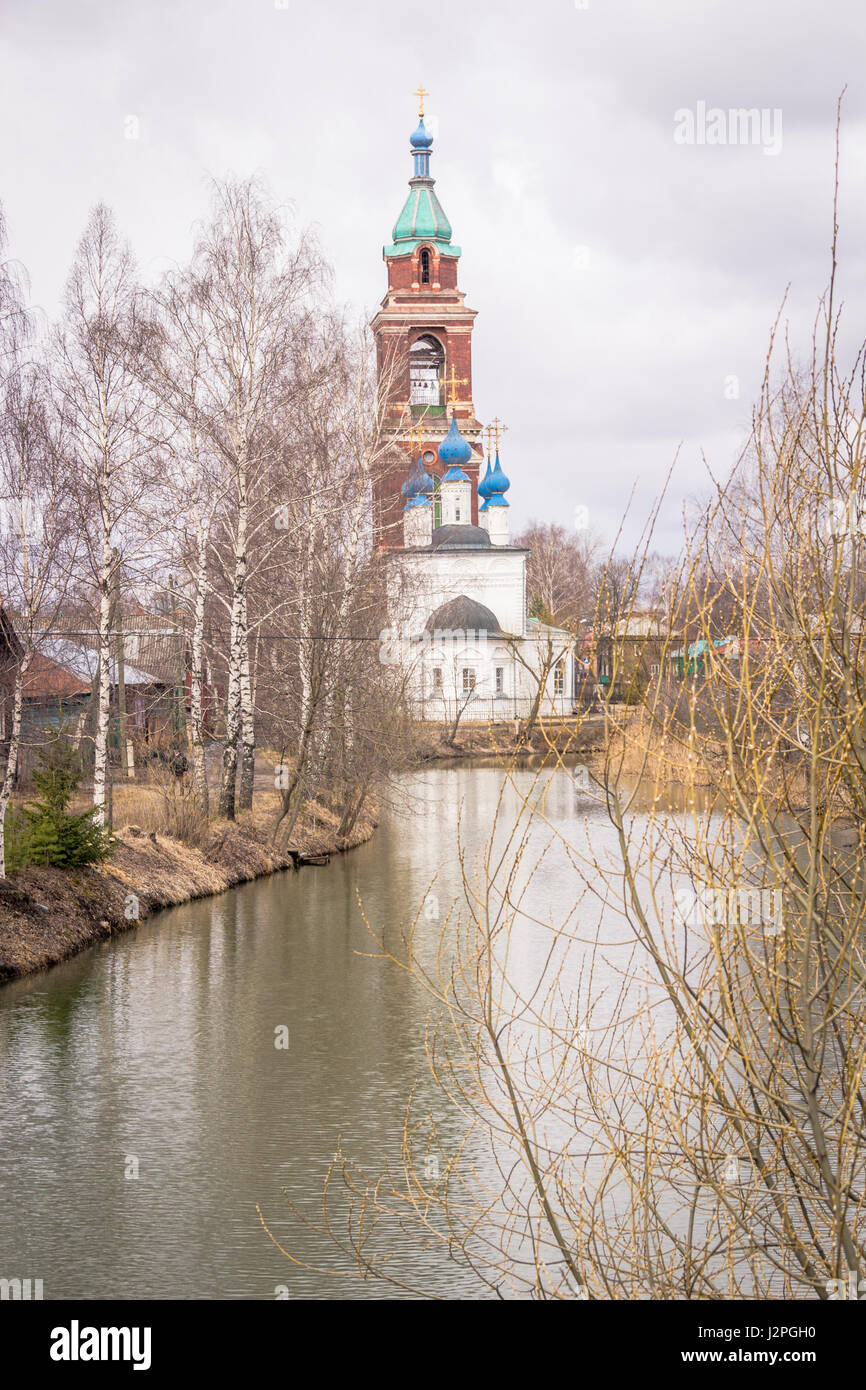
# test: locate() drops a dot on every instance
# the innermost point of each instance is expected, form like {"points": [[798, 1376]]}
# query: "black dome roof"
{"points": [[460, 537], [462, 613]]}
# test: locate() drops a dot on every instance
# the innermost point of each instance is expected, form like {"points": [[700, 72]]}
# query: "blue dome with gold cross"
{"points": [[454, 451], [498, 482]]}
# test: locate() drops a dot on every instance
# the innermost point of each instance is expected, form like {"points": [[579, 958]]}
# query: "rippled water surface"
{"points": [[158, 1047]]}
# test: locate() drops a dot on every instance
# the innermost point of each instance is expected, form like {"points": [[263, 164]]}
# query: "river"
{"points": [[146, 1110]]}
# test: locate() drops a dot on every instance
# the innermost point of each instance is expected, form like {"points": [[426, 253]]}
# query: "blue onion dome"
{"points": [[421, 139], [454, 450], [417, 485], [498, 482], [484, 485]]}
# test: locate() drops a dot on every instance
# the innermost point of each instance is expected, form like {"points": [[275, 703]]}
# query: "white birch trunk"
{"points": [[12, 758], [237, 648], [199, 769], [247, 720], [233, 714], [100, 753]]}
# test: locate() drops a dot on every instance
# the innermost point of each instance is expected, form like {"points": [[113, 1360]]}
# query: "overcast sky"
{"points": [[621, 278]]}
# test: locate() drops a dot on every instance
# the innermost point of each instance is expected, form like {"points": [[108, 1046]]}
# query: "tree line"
{"points": [[204, 447]]}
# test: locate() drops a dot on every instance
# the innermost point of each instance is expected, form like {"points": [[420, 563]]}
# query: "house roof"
{"points": [[45, 679], [65, 668]]}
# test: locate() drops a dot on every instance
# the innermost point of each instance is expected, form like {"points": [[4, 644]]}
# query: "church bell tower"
{"points": [[423, 333]]}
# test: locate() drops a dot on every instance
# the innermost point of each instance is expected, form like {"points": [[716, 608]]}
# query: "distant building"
{"points": [[627, 657], [61, 682]]}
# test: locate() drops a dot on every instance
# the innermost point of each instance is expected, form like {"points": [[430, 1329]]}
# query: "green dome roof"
{"points": [[421, 220]]}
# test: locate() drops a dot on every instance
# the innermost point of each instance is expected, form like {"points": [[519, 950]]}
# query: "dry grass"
{"points": [[639, 752], [48, 914], [165, 806]]}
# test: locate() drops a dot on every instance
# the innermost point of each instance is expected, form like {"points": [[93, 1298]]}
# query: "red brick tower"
{"points": [[423, 333]]}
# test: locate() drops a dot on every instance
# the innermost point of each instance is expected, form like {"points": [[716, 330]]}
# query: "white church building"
{"points": [[458, 602]]}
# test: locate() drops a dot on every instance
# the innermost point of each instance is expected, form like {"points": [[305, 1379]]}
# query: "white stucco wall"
{"points": [[420, 584]]}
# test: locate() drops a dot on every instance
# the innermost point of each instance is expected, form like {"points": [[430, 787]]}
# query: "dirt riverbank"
{"points": [[47, 914]]}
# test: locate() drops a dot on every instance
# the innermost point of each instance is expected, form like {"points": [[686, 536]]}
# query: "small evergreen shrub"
{"points": [[45, 831]]}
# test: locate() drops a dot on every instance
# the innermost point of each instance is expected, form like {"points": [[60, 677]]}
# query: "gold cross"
{"points": [[453, 382], [420, 93], [496, 428], [416, 439]]}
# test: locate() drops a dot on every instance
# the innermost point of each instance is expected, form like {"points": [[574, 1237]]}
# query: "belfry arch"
{"points": [[426, 371]]}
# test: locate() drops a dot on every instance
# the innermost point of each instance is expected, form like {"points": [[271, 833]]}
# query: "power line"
{"points": [[180, 632]]}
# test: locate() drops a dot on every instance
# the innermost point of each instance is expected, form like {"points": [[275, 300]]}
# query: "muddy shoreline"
{"points": [[49, 914]]}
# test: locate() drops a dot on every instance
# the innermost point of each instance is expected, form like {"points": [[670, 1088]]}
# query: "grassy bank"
{"points": [[48, 914], [502, 740]]}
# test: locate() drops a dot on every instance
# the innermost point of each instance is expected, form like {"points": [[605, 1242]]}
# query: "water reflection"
{"points": [[160, 1047]]}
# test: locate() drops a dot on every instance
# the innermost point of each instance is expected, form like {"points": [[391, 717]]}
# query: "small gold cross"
{"points": [[453, 382], [497, 427], [420, 93]]}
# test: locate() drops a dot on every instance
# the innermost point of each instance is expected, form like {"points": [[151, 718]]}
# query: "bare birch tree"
{"points": [[113, 430], [333, 597], [195, 487], [559, 572], [16, 320], [255, 291], [35, 545], [37, 540]]}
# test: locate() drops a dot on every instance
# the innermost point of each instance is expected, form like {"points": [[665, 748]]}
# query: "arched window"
{"points": [[426, 365], [425, 267]]}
